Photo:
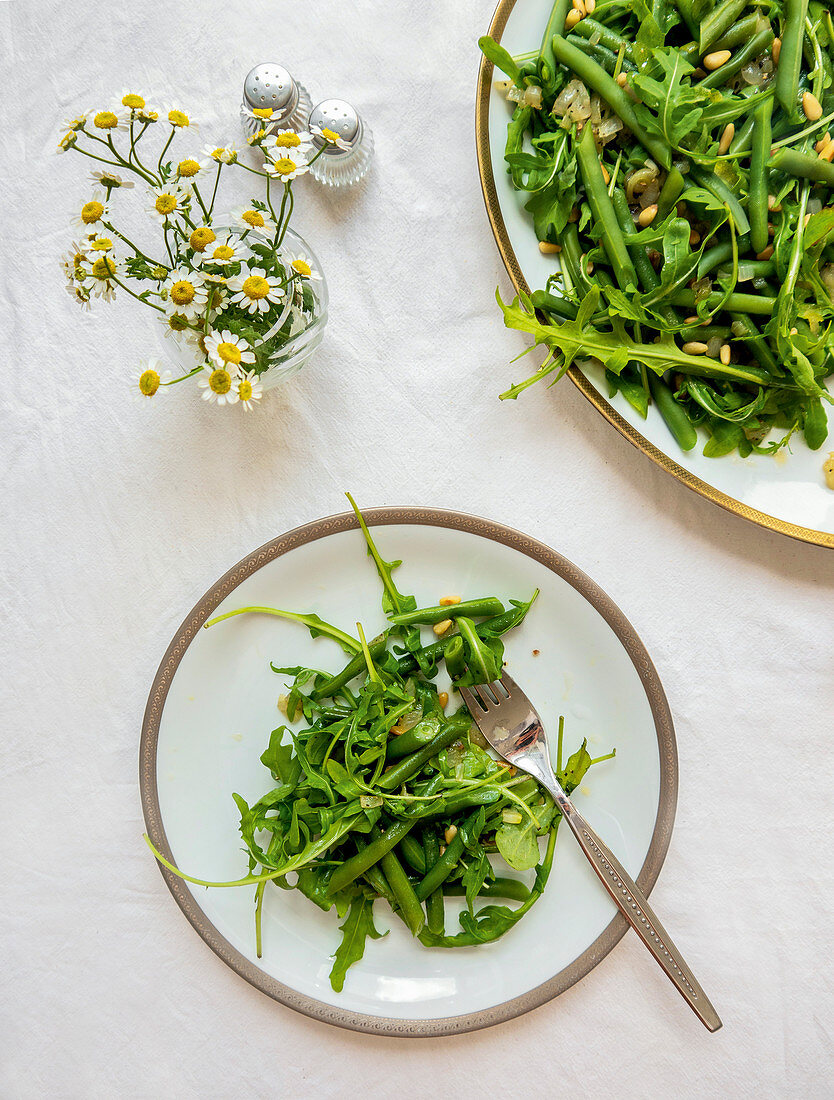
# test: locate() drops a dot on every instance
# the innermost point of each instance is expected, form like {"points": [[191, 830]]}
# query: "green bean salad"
{"points": [[382, 794], [677, 158]]}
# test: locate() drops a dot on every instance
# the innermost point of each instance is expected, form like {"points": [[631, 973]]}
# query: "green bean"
{"points": [[485, 607], [686, 14], [455, 802], [412, 853], [500, 624], [510, 888], [445, 864], [739, 32], [456, 658], [672, 187], [736, 303], [594, 76], [410, 908], [758, 187], [646, 274], [372, 853], [743, 137], [718, 22], [705, 332], [673, 414], [435, 909], [718, 254], [572, 253], [603, 210], [750, 269], [415, 738], [353, 668], [790, 57], [375, 878], [552, 303], [802, 165], [757, 44], [555, 25], [721, 191], [457, 725], [515, 140], [601, 54], [755, 342], [592, 28]]}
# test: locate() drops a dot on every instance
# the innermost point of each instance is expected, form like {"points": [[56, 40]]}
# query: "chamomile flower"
{"points": [[150, 380], [179, 119], [147, 116], [256, 138], [103, 270], [97, 245], [79, 122], [223, 252], [288, 139], [178, 328], [132, 101], [202, 237], [185, 292], [111, 120], [249, 218], [248, 390], [67, 141], [71, 263], [92, 212], [167, 201], [218, 386], [190, 167], [330, 136], [79, 294], [286, 165], [111, 180], [262, 115], [255, 291], [302, 265], [229, 351], [222, 154]]}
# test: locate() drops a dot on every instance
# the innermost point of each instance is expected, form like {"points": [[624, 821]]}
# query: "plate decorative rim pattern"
{"points": [[510, 260], [485, 528]]}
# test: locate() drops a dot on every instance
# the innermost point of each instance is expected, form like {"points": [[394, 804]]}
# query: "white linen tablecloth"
{"points": [[118, 517]]}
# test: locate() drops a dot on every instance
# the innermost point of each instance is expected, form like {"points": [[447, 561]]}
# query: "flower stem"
{"points": [[138, 251], [216, 181], [164, 151], [138, 297]]}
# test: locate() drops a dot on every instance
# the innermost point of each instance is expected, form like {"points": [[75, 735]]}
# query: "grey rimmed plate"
{"points": [[213, 705]]}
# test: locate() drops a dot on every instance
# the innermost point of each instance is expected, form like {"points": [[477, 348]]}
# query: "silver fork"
{"points": [[508, 720]]}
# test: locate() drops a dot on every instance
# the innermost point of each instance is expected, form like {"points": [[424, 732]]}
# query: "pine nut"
{"points": [[606, 175], [794, 332], [574, 214], [589, 267], [772, 205], [823, 141], [579, 6], [812, 107], [694, 238], [396, 731], [442, 627], [450, 601], [548, 249], [805, 221], [775, 50], [766, 254], [572, 19], [443, 699], [695, 347], [590, 6], [451, 833], [726, 138], [622, 79], [694, 320], [648, 215], [725, 353], [715, 60], [828, 152]]}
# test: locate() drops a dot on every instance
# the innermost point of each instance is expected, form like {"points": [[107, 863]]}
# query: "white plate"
{"points": [[213, 705], [786, 493]]}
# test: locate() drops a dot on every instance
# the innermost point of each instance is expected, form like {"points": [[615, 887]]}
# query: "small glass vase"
{"points": [[291, 356]]}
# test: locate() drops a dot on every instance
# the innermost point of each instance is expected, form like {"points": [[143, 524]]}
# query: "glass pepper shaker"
{"points": [[348, 143]]}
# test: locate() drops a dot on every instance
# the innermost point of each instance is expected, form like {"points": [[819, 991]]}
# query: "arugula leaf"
{"points": [[499, 57], [356, 929], [518, 845], [670, 109]]}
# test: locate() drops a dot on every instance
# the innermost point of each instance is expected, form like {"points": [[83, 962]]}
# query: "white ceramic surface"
{"points": [[790, 487], [221, 708]]}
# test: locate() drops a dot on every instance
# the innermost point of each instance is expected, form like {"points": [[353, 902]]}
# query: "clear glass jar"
{"points": [[310, 315]]}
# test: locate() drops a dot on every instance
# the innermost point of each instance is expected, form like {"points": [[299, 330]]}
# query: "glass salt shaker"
{"points": [[346, 160], [282, 102]]}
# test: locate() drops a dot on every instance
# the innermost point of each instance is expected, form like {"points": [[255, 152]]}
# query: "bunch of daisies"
{"points": [[224, 285]]}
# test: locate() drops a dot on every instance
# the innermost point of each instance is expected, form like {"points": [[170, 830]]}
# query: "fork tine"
{"points": [[466, 694], [482, 691], [510, 686]]}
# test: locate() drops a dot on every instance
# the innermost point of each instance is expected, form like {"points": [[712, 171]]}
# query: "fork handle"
{"points": [[639, 914]]}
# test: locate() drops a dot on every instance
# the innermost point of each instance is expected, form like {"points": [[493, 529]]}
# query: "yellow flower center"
{"points": [[101, 244], [148, 382], [303, 268], [182, 292], [68, 139], [262, 112], [330, 135], [188, 167], [103, 268], [218, 154], [78, 123], [220, 381], [178, 322], [229, 353], [244, 390], [284, 166], [149, 116], [287, 140], [166, 203], [201, 238], [91, 212], [178, 118], [256, 287], [254, 218], [135, 102], [106, 120], [223, 252]]}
